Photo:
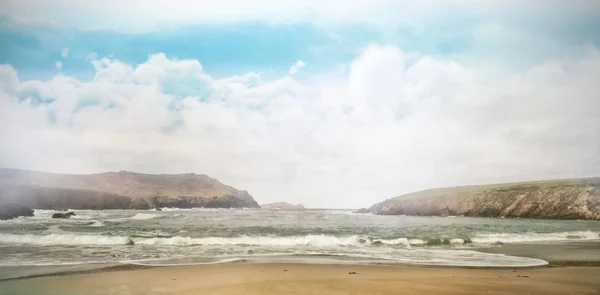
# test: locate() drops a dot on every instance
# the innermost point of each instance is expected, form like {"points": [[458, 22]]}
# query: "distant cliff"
{"points": [[554, 199], [283, 206], [118, 190]]}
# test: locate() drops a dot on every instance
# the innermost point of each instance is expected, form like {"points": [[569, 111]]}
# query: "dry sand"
{"points": [[230, 279]]}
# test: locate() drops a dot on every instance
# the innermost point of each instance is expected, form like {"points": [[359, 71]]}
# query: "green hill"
{"points": [[554, 199], [118, 190]]}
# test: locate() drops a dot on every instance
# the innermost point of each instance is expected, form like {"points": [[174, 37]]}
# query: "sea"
{"points": [[95, 238]]}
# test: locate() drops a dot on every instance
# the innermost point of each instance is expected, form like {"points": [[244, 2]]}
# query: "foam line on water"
{"points": [[508, 238], [57, 237]]}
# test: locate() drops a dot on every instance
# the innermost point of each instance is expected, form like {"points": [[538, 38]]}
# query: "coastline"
{"points": [[557, 254], [573, 269], [290, 278]]}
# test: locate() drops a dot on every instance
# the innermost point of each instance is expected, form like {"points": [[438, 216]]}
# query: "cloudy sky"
{"points": [[330, 103]]}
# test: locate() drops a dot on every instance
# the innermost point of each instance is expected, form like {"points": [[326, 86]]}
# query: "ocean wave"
{"points": [[97, 224], [341, 212], [508, 238], [143, 216], [308, 240], [63, 239], [57, 237], [417, 242], [80, 217], [398, 241], [196, 209], [43, 211]]}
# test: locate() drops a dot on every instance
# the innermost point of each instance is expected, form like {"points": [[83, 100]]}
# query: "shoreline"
{"points": [[557, 255], [298, 278], [124, 267]]}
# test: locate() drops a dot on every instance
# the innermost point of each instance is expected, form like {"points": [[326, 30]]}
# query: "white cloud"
{"points": [[64, 53], [392, 124], [58, 65], [296, 67], [149, 15]]}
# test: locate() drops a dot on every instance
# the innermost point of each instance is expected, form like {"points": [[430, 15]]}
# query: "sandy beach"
{"points": [[314, 279]]}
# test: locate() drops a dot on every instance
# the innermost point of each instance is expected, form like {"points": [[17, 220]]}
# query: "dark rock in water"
{"points": [[158, 209], [362, 241], [497, 243], [130, 242], [12, 210], [377, 243], [63, 215]]}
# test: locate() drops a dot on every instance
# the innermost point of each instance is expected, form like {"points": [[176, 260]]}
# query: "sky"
{"points": [[331, 103]]}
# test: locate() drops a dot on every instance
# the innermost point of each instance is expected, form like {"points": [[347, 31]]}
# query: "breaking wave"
{"points": [[97, 224], [62, 238], [308, 240], [143, 216]]}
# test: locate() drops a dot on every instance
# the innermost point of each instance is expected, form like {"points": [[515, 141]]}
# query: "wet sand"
{"points": [[574, 269], [580, 253], [274, 278]]}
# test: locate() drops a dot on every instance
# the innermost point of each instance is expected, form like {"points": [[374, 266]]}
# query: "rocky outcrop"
{"points": [[12, 210], [226, 201], [118, 190], [555, 199], [283, 206]]}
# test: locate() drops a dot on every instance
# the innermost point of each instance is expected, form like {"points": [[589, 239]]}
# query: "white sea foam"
{"points": [[308, 240], [169, 262], [411, 257], [172, 209], [42, 212], [399, 241], [318, 245], [54, 229], [457, 241], [58, 237], [80, 217], [97, 224], [143, 216], [535, 237], [417, 242], [462, 258]]}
